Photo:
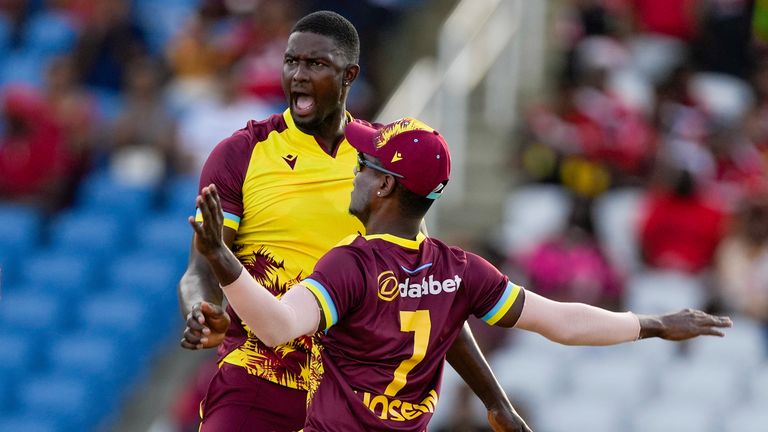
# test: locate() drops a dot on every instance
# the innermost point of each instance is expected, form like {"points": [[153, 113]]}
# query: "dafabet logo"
{"points": [[387, 286], [390, 287]]}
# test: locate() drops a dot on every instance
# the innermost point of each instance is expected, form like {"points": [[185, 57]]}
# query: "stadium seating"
{"points": [[582, 414], [83, 354], [615, 214], [661, 291], [715, 385], [528, 377], [532, 213], [49, 33], [759, 385], [65, 400], [748, 418], [63, 276], [627, 383], [95, 234], [180, 195], [167, 235], [673, 415], [34, 315], [101, 191], [28, 423], [20, 228]]}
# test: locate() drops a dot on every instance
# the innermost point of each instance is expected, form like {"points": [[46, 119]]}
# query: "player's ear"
{"points": [[386, 186], [350, 74]]}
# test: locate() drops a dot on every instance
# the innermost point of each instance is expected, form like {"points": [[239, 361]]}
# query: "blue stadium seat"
{"points": [[144, 273], [28, 423], [103, 192], [65, 400], [22, 67], [59, 275], [32, 314], [179, 195], [97, 357], [49, 33], [19, 352], [89, 233], [122, 316], [19, 359], [162, 19], [8, 268], [166, 235], [20, 228]]}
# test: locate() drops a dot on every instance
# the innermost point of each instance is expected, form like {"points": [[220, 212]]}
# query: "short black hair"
{"points": [[411, 204], [334, 26]]}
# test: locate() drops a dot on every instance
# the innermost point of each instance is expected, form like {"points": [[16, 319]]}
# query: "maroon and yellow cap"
{"points": [[409, 148]]}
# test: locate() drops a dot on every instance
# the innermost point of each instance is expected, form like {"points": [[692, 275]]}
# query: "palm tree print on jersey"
{"points": [[286, 364]]}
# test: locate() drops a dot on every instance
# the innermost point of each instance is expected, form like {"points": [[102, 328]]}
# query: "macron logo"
{"points": [[397, 157], [291, 160], [428, 286]]}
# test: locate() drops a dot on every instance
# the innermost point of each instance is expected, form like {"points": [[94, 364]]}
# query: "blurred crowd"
{"points": [[668, 99], [144, 89]]}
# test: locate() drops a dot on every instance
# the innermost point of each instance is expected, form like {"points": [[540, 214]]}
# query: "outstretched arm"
{"points": [[581, 324], [467, 359]]}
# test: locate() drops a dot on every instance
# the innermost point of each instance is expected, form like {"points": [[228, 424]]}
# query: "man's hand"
{"points": [[682, 325], [506, 419], [209, 234], [206, 326]]}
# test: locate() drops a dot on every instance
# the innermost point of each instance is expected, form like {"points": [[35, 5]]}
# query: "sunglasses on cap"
{"points": [[362, 162]]}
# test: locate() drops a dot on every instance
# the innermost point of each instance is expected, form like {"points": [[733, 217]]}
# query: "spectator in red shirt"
{"points": [[35, 162], [680, 229]]}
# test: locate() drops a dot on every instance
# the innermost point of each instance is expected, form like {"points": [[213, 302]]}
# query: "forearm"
{"points": [[195, 287], [468, 361], [199, 284], [273, 321], [577, 323]]}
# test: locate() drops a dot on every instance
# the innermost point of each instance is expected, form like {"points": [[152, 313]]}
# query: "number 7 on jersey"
{"points": [[419, 323]]}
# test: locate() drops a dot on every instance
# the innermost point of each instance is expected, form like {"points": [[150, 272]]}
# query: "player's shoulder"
{"points": [[243, 140], [442, 248], [353, 247]]}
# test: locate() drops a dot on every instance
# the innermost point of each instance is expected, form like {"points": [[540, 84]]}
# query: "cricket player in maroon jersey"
{"points": [[284, 184], [392, 301]]}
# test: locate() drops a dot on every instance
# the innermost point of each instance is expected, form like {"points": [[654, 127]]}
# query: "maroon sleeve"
{"points": [[338, 277], [228, 162], [226, 167], [484, 284]]}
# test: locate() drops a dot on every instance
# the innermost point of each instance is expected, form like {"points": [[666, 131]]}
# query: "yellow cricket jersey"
{"points": [[288, 201]]}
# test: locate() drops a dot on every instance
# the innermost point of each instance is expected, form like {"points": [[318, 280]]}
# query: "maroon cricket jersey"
{"points": [[393, 308]]}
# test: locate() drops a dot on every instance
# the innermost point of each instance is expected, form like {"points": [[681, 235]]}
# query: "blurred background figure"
{"points": [[742, 261], [571, 266], [208, 120], [143, 137], [36, 162], [680, 230]]}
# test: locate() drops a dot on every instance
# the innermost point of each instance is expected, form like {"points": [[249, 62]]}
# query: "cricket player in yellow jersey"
{"points": [[285, 184]]}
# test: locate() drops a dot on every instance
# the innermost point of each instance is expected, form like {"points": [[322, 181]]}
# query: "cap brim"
{"points": [[361, 137]]}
